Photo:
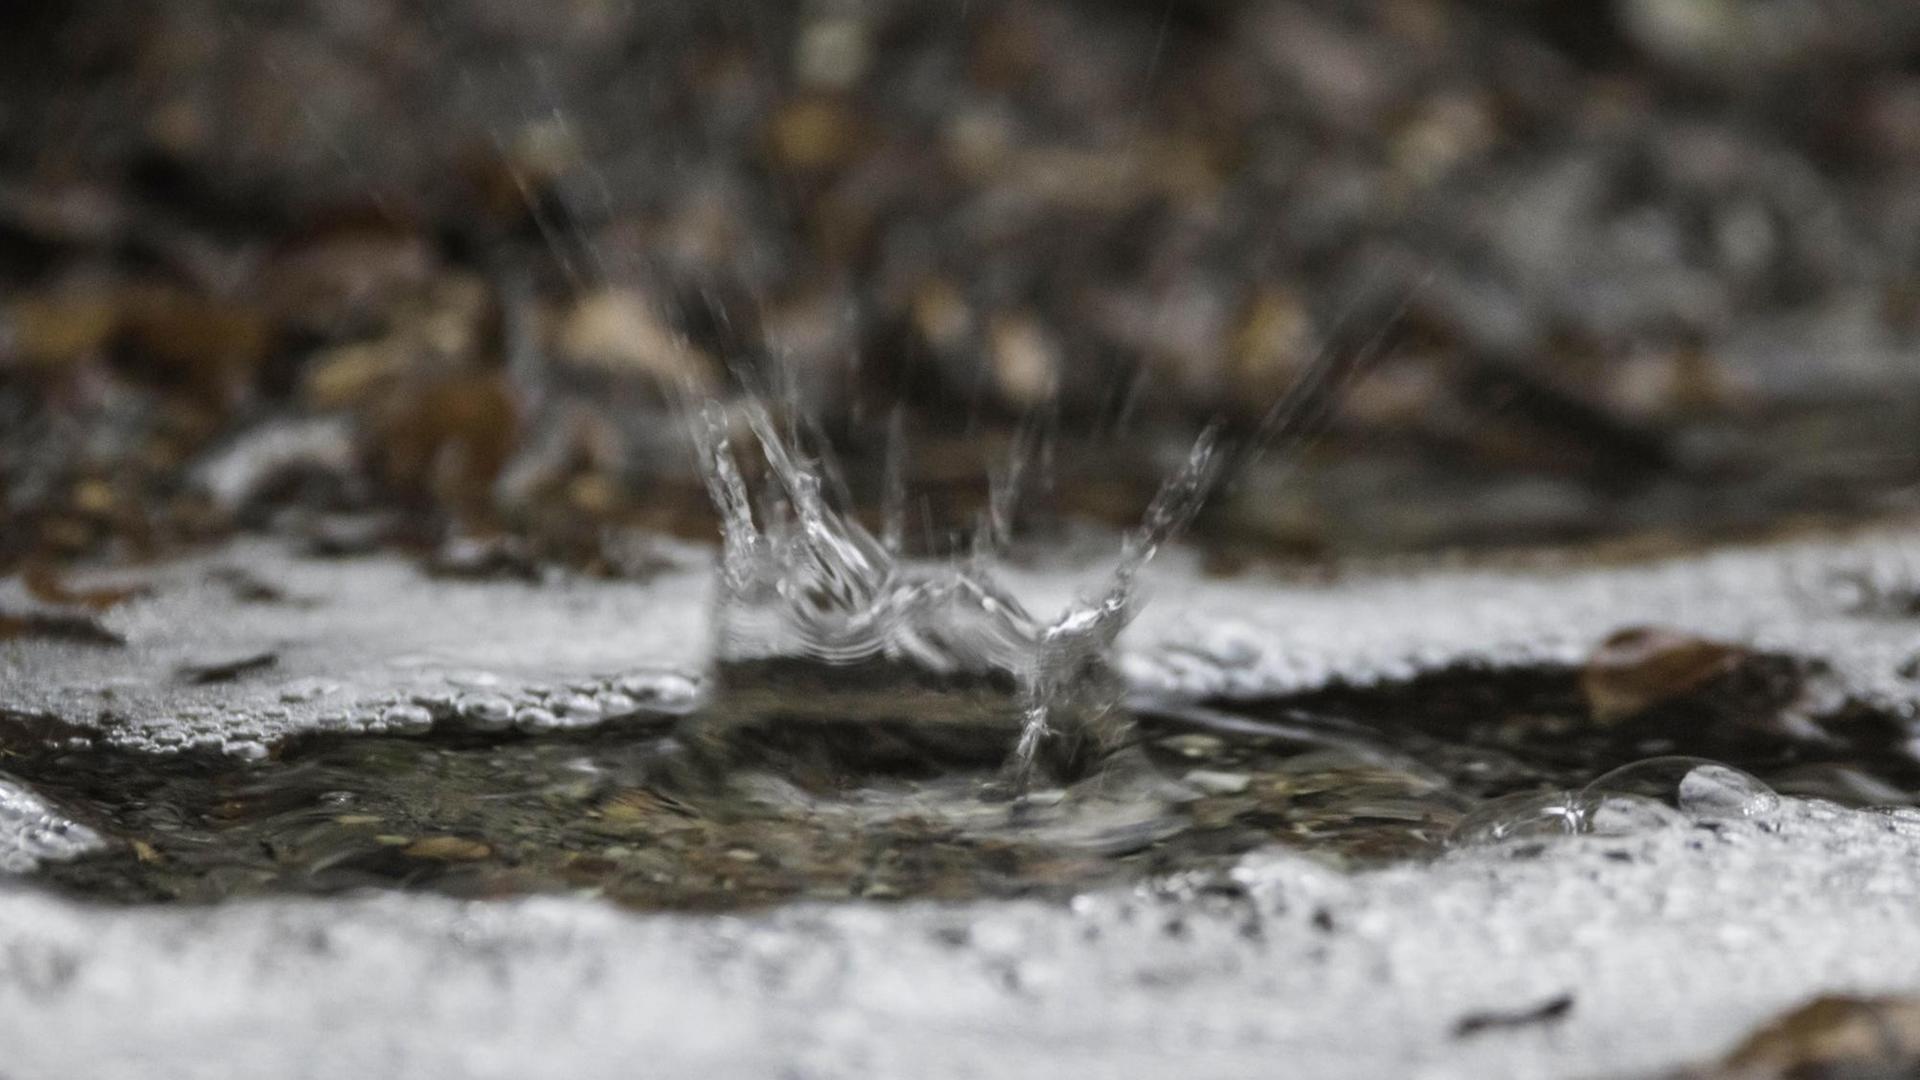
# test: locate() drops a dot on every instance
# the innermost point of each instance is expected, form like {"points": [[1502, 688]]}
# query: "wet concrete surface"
{"points": [[350, 638], [1591, 955], [1667, 946]]}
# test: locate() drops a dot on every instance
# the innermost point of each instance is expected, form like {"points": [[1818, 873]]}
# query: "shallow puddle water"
{"points": [[626, 813], [875, 726]]}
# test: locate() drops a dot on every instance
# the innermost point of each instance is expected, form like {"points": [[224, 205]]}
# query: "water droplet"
{"points": [[1720, 791], [1697, 787]]}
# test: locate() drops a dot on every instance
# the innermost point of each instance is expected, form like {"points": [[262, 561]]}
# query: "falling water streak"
{"points": [[1129, 404], [825, 461], [852, 565], [893, 494], [1173, 508], [1302, 414], [994, 530], [740, 541]]}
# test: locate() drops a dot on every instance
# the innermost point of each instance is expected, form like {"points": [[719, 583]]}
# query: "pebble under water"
{"points": [[627, 812]]}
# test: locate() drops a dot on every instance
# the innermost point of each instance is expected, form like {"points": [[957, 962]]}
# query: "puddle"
{"points": [[628, 813], [874, 725]]}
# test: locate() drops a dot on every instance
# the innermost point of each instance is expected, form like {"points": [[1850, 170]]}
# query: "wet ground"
{"points": [[1493, 823], [1627, 954], [1356, 778], [349, 667], [542, 777]]}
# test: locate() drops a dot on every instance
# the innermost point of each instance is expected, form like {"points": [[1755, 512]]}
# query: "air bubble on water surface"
{"points": [[485, 712], [535, 720], [1528, 815], [406, 719], [665, 693], [1697, 787]]}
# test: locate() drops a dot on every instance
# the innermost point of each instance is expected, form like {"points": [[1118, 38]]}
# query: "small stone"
{"points": [[1193, 746], [1833, 1036], [447, 849], [1218, 783], [1640, 667]]}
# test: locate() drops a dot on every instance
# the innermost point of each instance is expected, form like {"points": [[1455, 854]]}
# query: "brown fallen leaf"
{"points": [[619, 332], [814, 133], [449, 437], [44, 584], [211, 349], [1640, 667], [1830, 1037], [343, 275], [46, 334]]}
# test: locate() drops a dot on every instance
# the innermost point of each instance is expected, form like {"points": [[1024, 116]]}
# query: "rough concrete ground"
{"points": [[350, 637], [1669, 945]]}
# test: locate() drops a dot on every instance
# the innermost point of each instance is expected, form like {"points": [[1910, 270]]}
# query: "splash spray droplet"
{"points": [[819, 623]]}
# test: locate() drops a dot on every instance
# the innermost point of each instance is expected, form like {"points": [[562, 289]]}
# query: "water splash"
{"points": [[803, 582], [1642, 796]]}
